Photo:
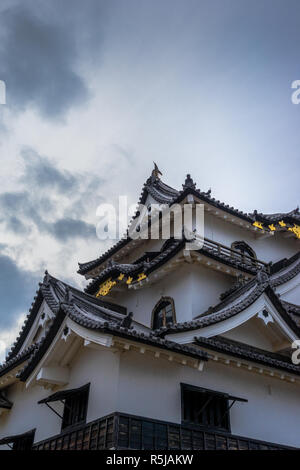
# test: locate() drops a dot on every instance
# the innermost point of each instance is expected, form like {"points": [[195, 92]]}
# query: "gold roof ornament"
{"points": [[105, 287], [156, 172], [295, 229]]}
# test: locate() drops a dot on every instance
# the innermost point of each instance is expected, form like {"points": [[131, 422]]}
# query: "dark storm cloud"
{"points": [[16, 287], [36, 203], [37, 60], [42, 173]]}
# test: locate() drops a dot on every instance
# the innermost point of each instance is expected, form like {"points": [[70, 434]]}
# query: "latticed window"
{"points": [[75, 408], [204, 407], [163, 313]]}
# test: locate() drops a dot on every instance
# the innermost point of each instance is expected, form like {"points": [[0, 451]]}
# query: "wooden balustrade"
{"points": [[231, 254], [121, 431]]}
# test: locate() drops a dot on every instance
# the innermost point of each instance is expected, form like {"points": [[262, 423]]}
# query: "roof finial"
{"points": [[155, 172], [126, 321], [189, 183], [261, 276]]}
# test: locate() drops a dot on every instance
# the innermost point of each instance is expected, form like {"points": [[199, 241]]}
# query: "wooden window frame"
{"points": [[85, 390], [192, 388], [163, 299]]}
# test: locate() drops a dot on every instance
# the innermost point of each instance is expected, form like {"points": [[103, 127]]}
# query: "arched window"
{"points": [[244, 249], [163, 313]]}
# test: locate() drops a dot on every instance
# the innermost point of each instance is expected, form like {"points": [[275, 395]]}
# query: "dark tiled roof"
{"points": [[293, 311], [111, 326], [18, 359], [161, 192], [288, 217], [165, 194], [235, 303], [169, 250], [86, 267], [280, 272], [292, 308], [37, 302], [283, 263], [134, 269], [240, 282], [65, 301], [53, 291], [119, 330], [288, 272], [244, 351]]}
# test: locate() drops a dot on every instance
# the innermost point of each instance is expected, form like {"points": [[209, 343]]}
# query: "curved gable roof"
{"points": [[164, 194], [234, 304], [54, 292]]}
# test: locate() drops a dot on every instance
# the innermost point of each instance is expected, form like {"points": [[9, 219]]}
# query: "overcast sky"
{"points": [[97, 90]]}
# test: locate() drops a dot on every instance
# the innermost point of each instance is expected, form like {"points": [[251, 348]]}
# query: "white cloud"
{"points": [[8, 336]]}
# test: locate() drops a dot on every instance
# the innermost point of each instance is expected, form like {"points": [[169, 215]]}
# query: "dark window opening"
{"points": [[23, 443], [19, 441], [163, 313], [75, 408], [206, 408]]}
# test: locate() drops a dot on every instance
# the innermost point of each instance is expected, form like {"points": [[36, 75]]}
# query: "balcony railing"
{"points": [[232, 255], [121, 431]]}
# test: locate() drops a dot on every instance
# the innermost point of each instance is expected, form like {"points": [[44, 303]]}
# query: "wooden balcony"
{"points": [[234, 256], [121, 431]]}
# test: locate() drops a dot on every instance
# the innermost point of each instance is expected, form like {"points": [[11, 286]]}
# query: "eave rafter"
{"points": [[53, 368], [250, 366], [10, 378]]}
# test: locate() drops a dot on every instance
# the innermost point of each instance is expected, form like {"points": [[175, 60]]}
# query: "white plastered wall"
{"points": [[100, 368], [194, 288], [152, 388], [271, 248], [142, 385]]}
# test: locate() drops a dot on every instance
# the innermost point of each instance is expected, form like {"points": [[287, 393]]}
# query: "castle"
{"points": [[167, 347]]}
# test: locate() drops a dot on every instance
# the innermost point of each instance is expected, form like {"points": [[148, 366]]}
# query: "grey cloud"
{"points": [[24, 213], [15, 225], [16, 287], [20, 205], [64, 229], [28, 207], [38, 63], [42, 173]]}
